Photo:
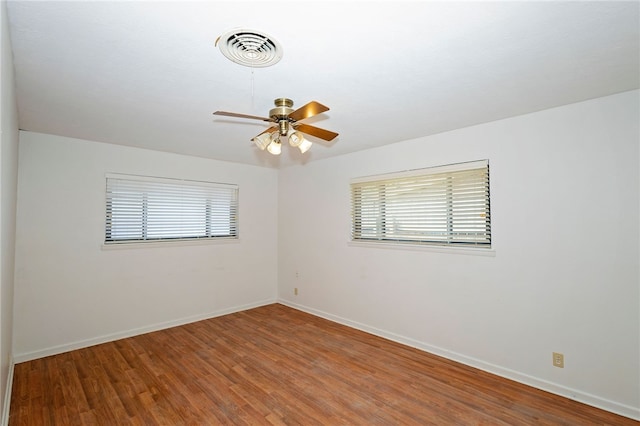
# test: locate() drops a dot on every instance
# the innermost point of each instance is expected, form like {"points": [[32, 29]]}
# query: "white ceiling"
{"points": [[147, 74]]}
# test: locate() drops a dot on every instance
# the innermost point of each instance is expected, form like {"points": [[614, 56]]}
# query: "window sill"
{"points": [[472, 251], [168, 244]]}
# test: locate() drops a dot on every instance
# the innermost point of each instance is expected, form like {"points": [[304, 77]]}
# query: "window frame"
{"points": [[169, 195], [480, 240]]}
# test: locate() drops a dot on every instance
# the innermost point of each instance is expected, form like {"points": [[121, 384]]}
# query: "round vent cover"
{"points": [[250, 48]]}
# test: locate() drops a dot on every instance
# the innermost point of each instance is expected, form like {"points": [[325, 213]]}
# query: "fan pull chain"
{"points": [[252, 91]]}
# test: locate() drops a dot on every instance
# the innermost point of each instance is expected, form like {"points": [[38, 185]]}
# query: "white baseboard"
{"points": [[574, 394], [7, 395], [54, 350]]}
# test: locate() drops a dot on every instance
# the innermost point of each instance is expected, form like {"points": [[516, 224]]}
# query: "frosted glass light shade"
{"points": [[305, 145], [296, 138], [262, 141], [275, 147]]}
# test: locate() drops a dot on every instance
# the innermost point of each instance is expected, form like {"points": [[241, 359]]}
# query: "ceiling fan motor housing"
{"points": [[282, 109], [280, 114]]}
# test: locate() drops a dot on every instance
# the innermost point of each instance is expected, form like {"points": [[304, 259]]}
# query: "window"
{"points": [[142, 209], [446, 205]]}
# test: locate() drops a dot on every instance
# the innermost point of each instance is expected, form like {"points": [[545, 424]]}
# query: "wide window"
{"points": [[142, 209], [446, 205]]}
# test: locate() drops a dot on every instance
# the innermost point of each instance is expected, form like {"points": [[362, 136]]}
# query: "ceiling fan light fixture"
{"points": [[262, 141], [275, 147], [304, 146], [296, 138]]}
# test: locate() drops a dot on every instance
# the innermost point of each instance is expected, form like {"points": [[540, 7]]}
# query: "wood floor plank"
{"points": [[274, 365]]}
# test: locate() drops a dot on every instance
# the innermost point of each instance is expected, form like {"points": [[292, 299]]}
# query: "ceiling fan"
{"points": [[287, 125]]}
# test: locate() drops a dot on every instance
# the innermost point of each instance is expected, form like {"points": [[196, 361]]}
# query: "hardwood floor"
{"points": [[275, 365]]}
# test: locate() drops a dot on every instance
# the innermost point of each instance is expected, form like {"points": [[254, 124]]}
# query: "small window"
{"points": [[143, 209], [446, 205]]}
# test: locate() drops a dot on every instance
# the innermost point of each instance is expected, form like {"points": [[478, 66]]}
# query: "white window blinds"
{"points": [[446, 205], [140, 209]]}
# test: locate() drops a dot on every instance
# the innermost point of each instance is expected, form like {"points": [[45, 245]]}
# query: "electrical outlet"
{"points": [[297, 274], [295, 291], [558, 360]]}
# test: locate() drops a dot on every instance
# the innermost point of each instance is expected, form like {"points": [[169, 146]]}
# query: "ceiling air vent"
{"points": [[250, 48]]}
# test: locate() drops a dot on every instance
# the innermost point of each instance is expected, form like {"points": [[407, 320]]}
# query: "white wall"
{"points": [[564, 275], [71, 292], [8, 190]]}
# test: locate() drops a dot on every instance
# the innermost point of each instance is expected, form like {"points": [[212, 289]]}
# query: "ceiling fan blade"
{"points": [[308, 110], [233, 114], [316, 131]]}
